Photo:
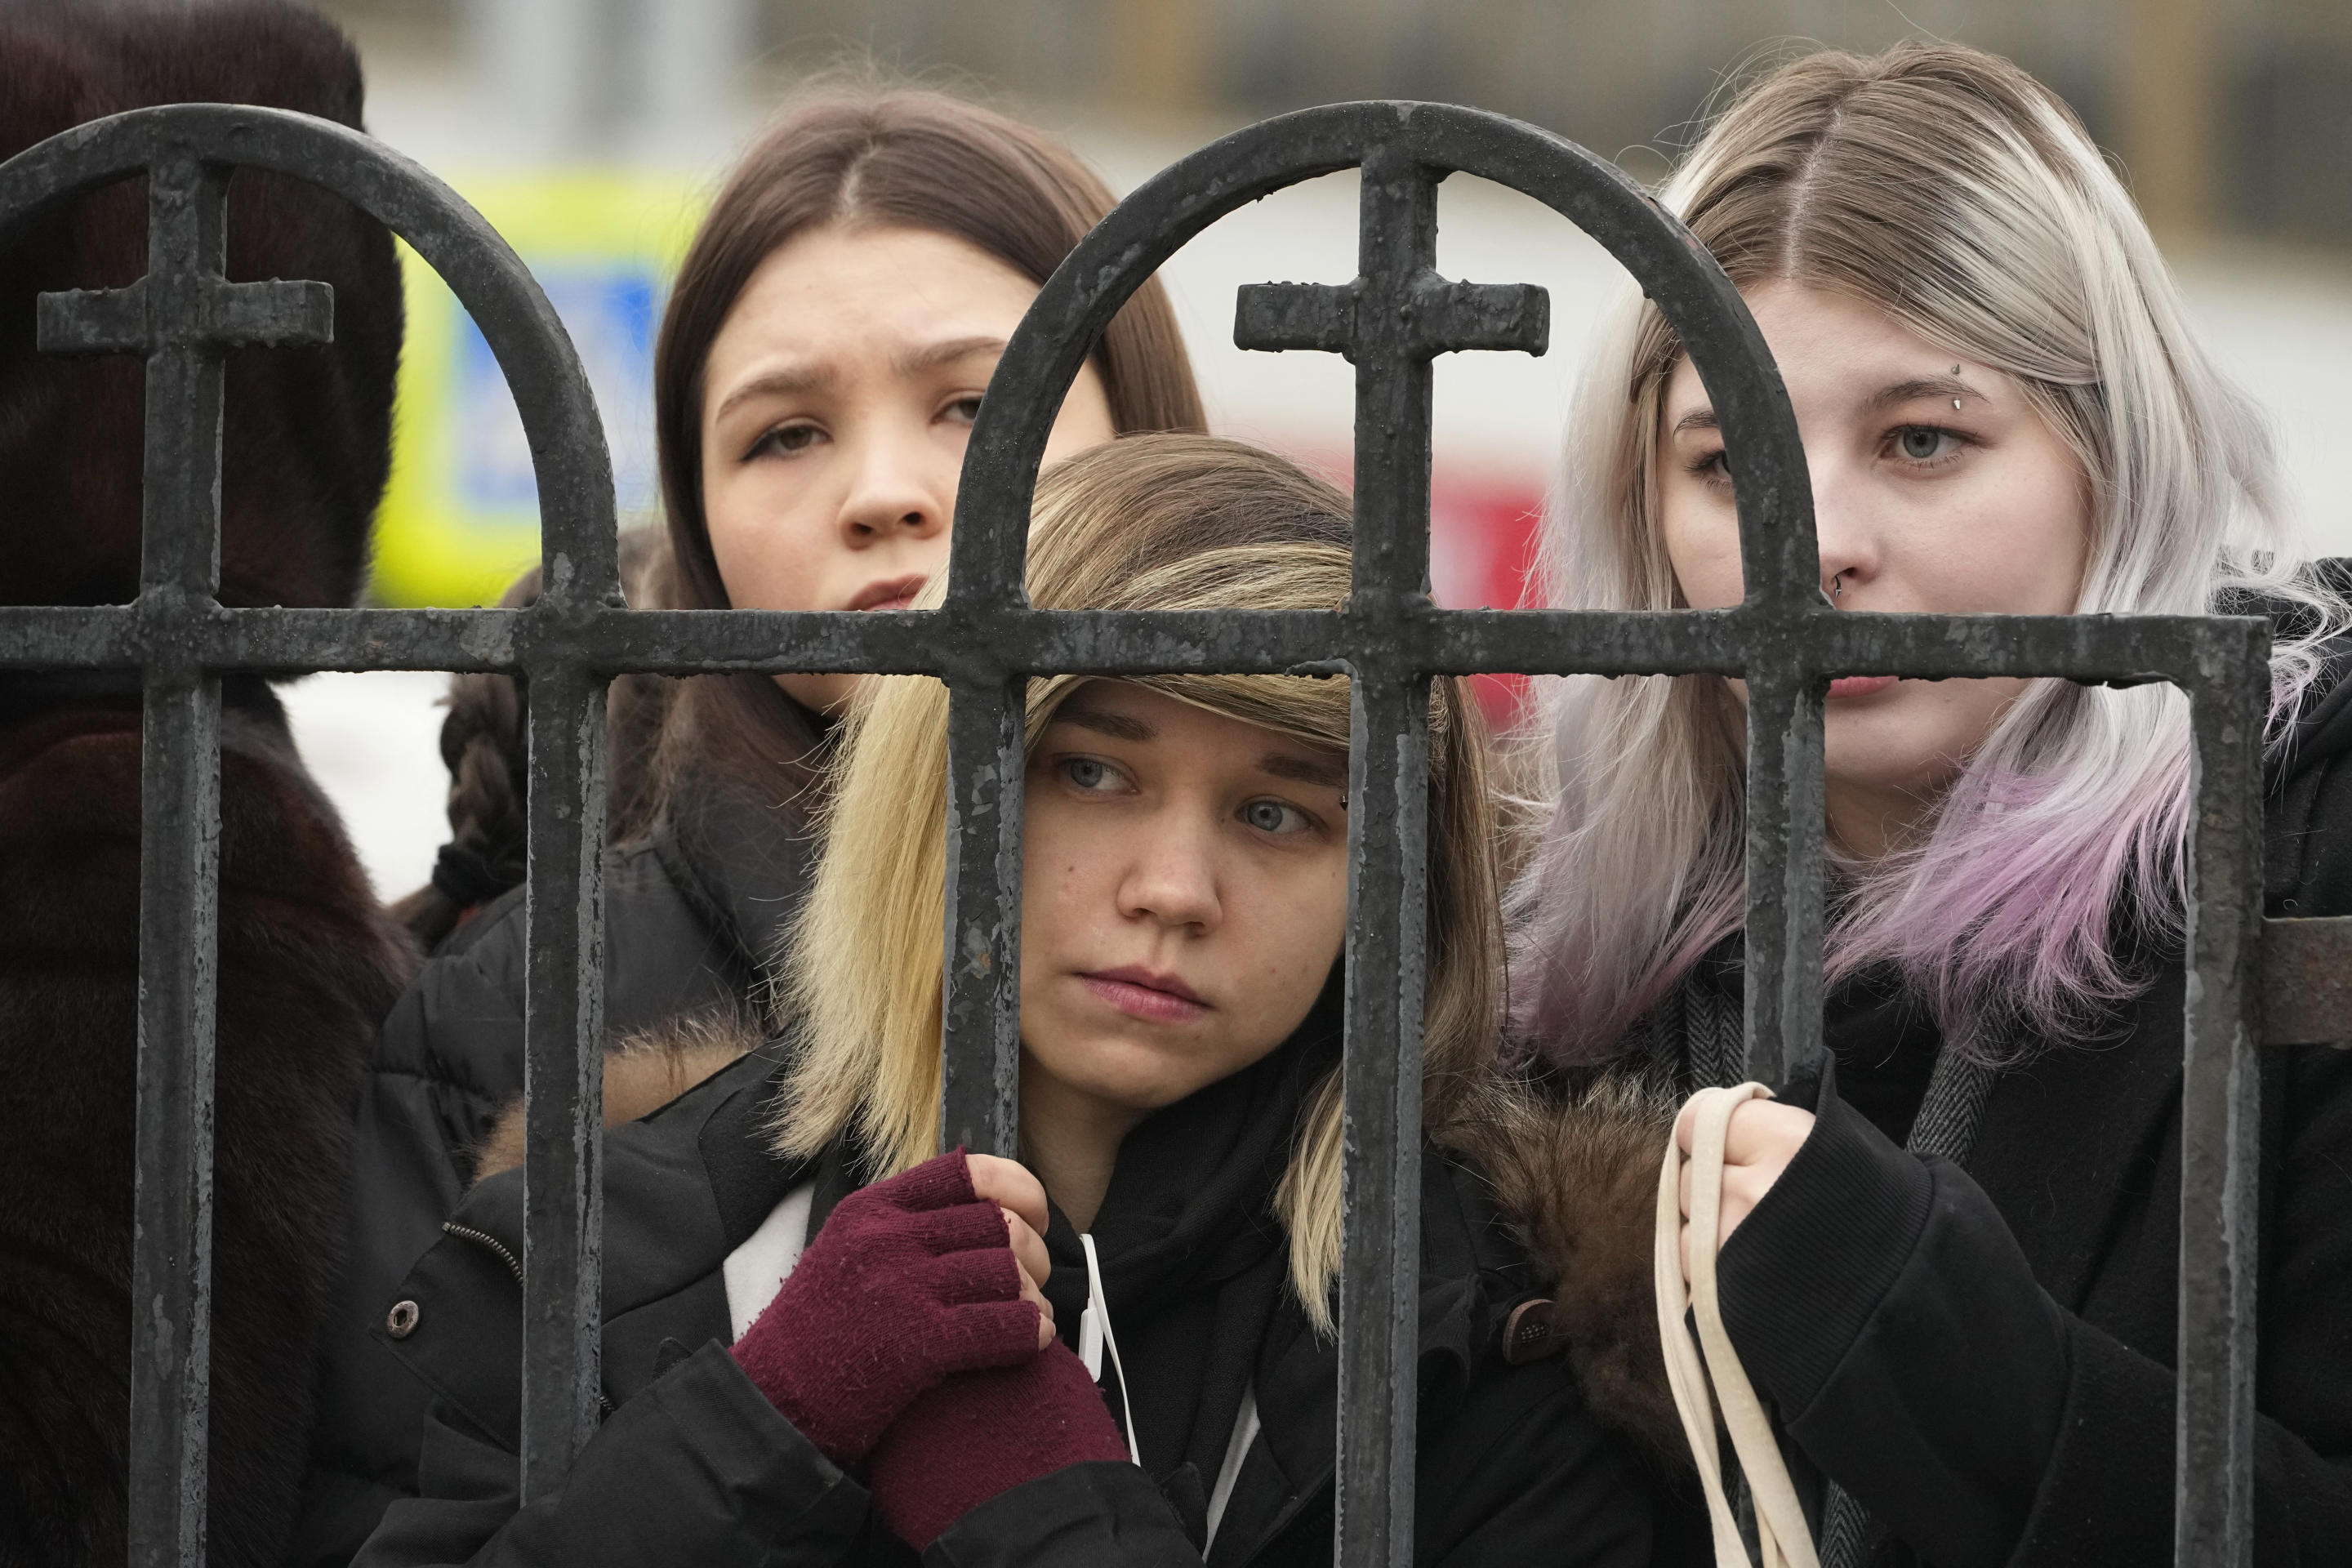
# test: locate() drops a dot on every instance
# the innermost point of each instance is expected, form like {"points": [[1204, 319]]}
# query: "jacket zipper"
{"points": [[514, 1267], [514, 1264]]}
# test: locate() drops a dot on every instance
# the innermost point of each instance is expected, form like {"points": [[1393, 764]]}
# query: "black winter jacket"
{"points": [[691, 917], [693, 1463], [1984, 1356]]}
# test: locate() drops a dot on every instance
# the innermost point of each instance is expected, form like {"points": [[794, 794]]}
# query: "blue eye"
{"points": [[1087, 774], [1274, 816], [1925, 443]]}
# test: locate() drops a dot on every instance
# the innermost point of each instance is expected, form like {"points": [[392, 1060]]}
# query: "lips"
{"points": [[1144, 993], [887, 594], [1859, 686]]}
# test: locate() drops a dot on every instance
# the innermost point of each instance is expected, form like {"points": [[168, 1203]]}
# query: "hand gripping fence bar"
{"points": [[986, 641]]}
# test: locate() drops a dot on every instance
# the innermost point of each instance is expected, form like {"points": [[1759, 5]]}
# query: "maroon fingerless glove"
{"points": [[909, 1281], [980, 1433]]}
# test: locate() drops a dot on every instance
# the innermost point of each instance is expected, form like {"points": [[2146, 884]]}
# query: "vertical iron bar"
{"points": [[981, 989], [1396, 247], [179, 883], [2220, 1118], [563, 998], [1785, 808], [1387, 832], [1388, 828], [172, 1228], [563, 1085]]}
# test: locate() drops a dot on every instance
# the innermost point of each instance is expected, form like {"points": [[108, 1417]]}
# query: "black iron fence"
{"points": [[987, 641]]}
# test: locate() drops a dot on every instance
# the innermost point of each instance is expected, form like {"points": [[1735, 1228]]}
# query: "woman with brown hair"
{"points": [[821, 359]]}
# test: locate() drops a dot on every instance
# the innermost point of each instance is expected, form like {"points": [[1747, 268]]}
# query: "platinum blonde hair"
{"points": [[1950, 190], [1147, 522]]}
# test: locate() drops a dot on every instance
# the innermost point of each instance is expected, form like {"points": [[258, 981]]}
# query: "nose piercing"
{"points": [[1837, 586]]}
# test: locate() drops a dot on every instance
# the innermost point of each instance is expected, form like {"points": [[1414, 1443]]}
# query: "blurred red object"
{"points": [[1481, 556]]}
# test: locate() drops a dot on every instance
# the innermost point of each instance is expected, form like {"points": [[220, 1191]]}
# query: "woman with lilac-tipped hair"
{"points": [[1949, 1261]]}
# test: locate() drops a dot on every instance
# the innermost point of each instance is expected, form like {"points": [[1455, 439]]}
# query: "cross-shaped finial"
{"points": [[1437, 315], [276, 314], [182, 316], [1395, 316]]}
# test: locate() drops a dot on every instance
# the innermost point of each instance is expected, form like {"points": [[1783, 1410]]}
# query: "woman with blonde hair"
{"points": [[823, 1340], [1949, 1263]]}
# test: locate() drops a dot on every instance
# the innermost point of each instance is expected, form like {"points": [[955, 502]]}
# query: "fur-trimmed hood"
{"points": [[1576, 1175], [643, 1072]]}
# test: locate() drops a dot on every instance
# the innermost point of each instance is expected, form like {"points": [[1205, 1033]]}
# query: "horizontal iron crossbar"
{"points": [[992, 642]]}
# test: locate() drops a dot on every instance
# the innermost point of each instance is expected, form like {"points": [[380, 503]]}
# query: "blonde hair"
{"points": [[1147, 522], [1950, 190]]}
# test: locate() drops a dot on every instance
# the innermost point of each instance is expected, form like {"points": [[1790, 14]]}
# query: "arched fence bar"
{"points": [[1391, 321]]}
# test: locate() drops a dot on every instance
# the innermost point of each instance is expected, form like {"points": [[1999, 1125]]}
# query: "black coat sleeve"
{"points": [[1100, 1515], [1882, 1303], [1513, 1469], [698, 1468], [2117, 1442]]}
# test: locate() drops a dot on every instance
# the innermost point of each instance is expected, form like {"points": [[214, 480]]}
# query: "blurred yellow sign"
{"points": [[460, 517]]}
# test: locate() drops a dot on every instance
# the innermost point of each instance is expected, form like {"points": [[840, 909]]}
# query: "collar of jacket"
{"points": [[1191, 1253], [743, 865], [2322, 727], [1471, 1276], [683, 1188]]}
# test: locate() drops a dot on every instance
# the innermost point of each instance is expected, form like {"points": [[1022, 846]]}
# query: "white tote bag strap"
{"points": [[1779, 1520]]}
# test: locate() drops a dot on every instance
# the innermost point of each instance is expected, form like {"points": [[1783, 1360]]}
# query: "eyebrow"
{"points": [[1291, 765], [789, 382], [1939, 387], [914, 362], [1304, 770], [797, 380], [1117, 726], [1894, 396]]}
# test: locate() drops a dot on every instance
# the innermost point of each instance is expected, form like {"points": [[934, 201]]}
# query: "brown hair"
{"points": [[484, 747], [909, 158]]}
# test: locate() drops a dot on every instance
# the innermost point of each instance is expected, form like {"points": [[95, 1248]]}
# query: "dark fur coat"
{"points": [[308, 961]]}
